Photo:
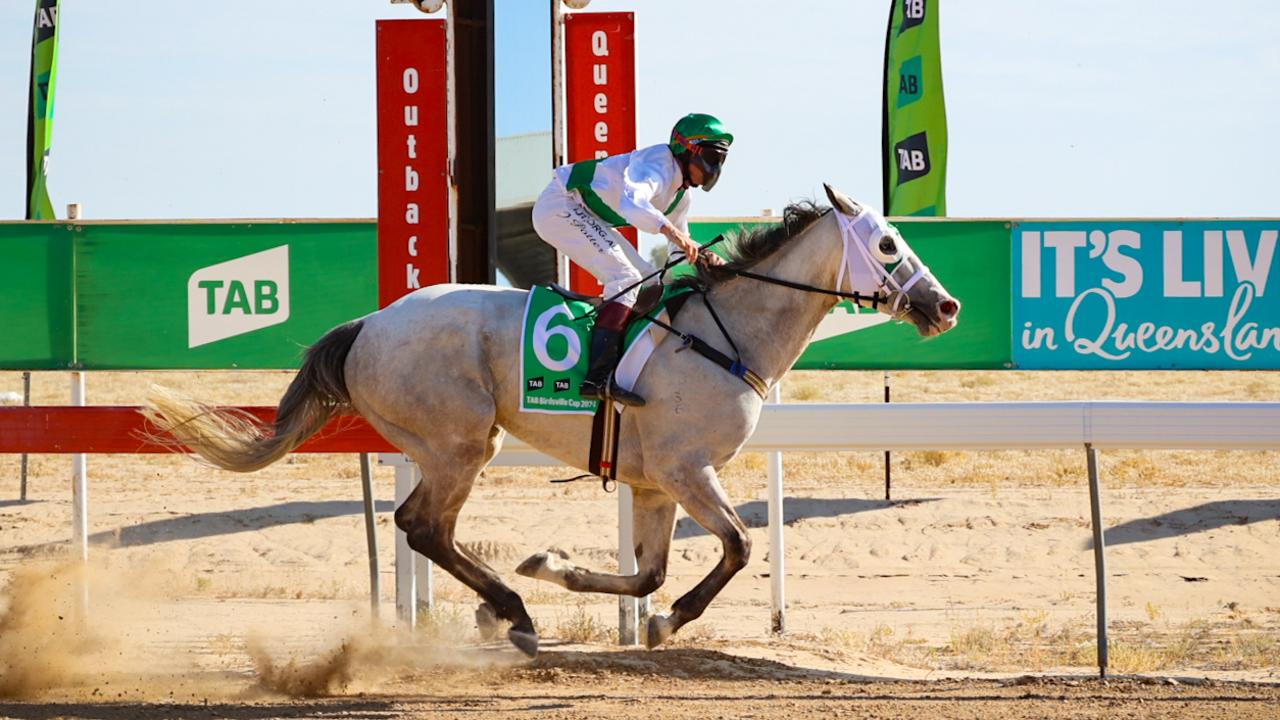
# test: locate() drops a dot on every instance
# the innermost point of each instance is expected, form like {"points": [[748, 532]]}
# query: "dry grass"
{"points": [[449, 622], [584, 626], [1235, 639], [697, 634], [1033, 643]]}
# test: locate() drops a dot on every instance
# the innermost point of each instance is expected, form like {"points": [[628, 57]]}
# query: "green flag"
{"points": [[44, 73], [914, 130]]}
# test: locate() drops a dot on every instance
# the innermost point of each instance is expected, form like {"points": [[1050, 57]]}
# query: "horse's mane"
{"points": [[748, 246]]}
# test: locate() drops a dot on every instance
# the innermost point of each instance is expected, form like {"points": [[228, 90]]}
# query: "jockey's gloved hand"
{"points": [[682, 241]]}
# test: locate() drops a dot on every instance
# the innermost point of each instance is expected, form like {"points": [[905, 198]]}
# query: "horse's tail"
{"points": [[235, 440]]}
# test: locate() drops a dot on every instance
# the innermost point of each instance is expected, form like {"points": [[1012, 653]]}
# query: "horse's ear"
{"points": [[842, 202]]}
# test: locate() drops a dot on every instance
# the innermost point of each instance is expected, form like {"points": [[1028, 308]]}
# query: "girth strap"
{"points": [[700, 346]]}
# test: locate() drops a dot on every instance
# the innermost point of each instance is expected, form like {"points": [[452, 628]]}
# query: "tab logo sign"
{"points": [[1145, 295], [238, 296], [913, 14], [910, 81], [913, 157]]}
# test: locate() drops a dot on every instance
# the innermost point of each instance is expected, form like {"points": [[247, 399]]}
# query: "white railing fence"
{"points": [[1088, 426]]}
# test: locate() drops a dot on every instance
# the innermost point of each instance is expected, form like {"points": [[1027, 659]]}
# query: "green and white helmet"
{"points": [[700, 138]]}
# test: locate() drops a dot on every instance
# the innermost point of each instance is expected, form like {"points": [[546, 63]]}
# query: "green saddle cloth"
{"points": [[553, 349]]}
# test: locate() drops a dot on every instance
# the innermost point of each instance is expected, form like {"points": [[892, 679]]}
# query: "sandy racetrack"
{"points": [[248, 591]]}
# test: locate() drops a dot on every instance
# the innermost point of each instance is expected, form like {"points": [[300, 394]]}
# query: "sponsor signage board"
{"points": [[413, 157], [600, 98], [1136, 295], [216, 295], [1069, 294]]}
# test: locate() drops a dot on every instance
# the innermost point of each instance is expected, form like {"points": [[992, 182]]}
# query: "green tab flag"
{"points": [[44, 73], [914, 130]]}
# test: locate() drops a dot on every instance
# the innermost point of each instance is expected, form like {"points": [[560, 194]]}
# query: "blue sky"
{"points": [[266, 109]]}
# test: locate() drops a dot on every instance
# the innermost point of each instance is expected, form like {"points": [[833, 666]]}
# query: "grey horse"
{"points": [[438, 375]]}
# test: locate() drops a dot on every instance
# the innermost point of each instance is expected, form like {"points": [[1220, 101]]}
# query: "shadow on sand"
{"points": [[756, 513], [1188, 521], [225, 522]]}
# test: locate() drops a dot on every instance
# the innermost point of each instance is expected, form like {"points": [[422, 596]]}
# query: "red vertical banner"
{"points": [[413, 157], [600, 97]]}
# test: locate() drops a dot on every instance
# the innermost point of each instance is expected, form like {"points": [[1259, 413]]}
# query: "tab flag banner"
{"points": [[44, 73], [914, 123]]}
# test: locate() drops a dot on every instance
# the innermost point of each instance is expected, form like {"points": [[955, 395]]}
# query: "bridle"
{"points": [[873, 228], [851, 234], [859, 231]]}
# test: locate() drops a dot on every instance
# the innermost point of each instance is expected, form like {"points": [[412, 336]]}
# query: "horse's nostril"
{"points": [[948, 308]]}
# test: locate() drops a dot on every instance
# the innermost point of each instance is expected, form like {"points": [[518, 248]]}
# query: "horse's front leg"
{"points": [[700, 494], [653, 516]]}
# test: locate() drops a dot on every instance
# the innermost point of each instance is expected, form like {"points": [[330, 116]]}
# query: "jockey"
{"points": [[585, 203]]}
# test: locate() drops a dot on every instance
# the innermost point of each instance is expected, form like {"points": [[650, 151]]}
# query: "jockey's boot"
{"points": [[606, 347]]}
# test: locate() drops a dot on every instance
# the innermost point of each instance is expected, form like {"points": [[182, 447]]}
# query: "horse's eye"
{"points": [[887, 247]]}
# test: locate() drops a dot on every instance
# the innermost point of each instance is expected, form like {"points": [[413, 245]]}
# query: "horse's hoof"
{"points": [[544, 566], [525, 642], [660, 628], [487, 622], [532, 566]]}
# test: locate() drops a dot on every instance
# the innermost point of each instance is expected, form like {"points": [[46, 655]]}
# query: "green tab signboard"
{"points": [[1066, 294], [915, 119], [35, 296], [217, 295]]}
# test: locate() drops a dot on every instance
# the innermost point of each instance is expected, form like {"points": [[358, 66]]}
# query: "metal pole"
{"points": [[406, 593], [628, 606], [558, 136], [80, 504], [777, 548], [451, 142], [26, 402], [79, 478], [1099, 556], [423, 569], [888, 476], [370, 532]]}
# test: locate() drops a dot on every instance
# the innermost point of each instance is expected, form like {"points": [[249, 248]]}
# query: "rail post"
{"points": [[26, 402], [1099, 556], [777, 547], [628, 606], [79, 485], [80, 506], [415, 587], [888, 455], [370, 533]]}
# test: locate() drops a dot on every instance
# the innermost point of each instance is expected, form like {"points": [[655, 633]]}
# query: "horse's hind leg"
{"points": [[450, 464], [653, 514]]}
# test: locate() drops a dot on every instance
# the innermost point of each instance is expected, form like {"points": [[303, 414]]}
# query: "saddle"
{"points": [[603, 456], [649, 300]]}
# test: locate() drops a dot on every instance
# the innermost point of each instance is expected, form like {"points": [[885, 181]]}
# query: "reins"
{"points": [[733, 365], [876, 299]]}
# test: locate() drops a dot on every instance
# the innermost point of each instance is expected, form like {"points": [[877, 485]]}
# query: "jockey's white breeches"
{"points": [[563, 221]]}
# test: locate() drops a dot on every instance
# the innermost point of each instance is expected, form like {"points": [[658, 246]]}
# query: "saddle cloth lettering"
{"points": [[553, 353]]}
